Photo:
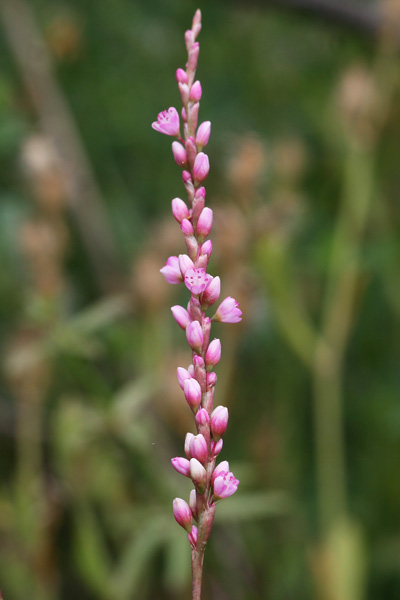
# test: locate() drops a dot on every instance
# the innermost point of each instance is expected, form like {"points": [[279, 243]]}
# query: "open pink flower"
{"points": [[196, 280], [225, 484], [167, 122]]}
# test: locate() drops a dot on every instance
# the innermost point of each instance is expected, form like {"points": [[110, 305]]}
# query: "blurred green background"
{"points": [[304, 185]]}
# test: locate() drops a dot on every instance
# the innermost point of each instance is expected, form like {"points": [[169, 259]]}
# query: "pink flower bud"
{"points": [[202, 417], [196, 23], [194, 336], [191, 370], [203, 134], [193, 503], [196, 280], [184, 92], [186, 176], [181, 316], [212, 292], [228, 311], [211, 379], [193, 56], [179, 153], [189, 39], [187, 227], [192, 391], [198, 475], [171, 270], [201, 167], [205, 222], [181, 465], [184, 114], [225, 485], [188, 438], [223, 467], [219, 422], [167, 122], [201, 193], [185, 263], [198, 361], [180, 210], [213, 354], [191, 150], [199, 449], [182, 374], [216, 447], [195, 92], [182, 514], [193, 116], [206, 248], [192, 537], [181, 76]]}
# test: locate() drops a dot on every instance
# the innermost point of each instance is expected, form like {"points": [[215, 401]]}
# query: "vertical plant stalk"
{"points": [[337, 322], [198, 381], [57, 122]]}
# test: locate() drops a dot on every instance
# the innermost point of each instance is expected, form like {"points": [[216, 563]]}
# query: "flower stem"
{"points": [[197, 572]]}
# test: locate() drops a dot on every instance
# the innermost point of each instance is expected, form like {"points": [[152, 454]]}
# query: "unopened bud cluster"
{"points": [[198, 381]]}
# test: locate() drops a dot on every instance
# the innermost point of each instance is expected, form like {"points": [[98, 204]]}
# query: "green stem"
{"points": [[337, 322]]}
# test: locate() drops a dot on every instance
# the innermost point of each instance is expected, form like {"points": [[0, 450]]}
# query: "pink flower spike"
{"points": [[187, 227], [192, 391], [182, 514], [195, 92], [194, 336], [228, 311], [167, 122], [216, 447], [212, 292], [225, 485], [197, 280], [185, 263], [198, 475], [181, 316], [213, 354], [219, 422], [201, 167], [202, 417], [205, 222], [171, 270], [181, 465], [203, 134], [182, 374], [223, 467], [179, 153], [188, 438], [199, 448], [181, 76], [192, 537]]}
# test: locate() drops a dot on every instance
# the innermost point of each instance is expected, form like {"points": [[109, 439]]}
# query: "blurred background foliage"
{"points": [[305, 187]]}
